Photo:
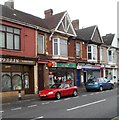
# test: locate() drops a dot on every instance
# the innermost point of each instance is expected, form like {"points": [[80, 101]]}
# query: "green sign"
{"points": [[71, 65]]}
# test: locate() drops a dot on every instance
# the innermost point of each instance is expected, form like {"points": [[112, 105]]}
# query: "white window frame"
{"points": [[59, 56], [43, 45], [93, 52], [78, 50], [101, 54]]}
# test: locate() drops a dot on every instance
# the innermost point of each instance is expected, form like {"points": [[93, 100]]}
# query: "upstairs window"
{"points": [[9, 38], [92, 52], [40, 44], [78, 50], [60, 47]]}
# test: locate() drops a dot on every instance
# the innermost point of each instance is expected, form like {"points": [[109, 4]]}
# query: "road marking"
{"points": [[92, 94], [67, 98], [1, 111], [57, 101], [97, 92], [16, 108], [86, 105], [45, 103], [32, 106], [38, 118], [84, 95], [76, 97]]}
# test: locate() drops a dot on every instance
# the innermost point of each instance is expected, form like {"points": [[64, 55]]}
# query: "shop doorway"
{"points": [[41, 76], [78, 77], [85, 77]]}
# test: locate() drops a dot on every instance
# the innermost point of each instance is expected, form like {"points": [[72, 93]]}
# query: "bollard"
{"points": [[19, 94]]}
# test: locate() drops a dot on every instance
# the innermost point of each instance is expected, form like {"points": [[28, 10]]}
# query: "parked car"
{"points": [[59, 90], [98, 84]]}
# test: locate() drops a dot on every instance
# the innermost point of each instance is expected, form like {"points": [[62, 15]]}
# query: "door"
{"points": [[85, 77], [78, 78], [40, 77]]}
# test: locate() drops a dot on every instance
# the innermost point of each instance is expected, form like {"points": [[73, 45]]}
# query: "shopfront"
{"points": [[85, 72], [17, 74], [61, 72]]}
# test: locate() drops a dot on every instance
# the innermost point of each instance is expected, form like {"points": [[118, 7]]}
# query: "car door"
{"points": [[67, 89]]}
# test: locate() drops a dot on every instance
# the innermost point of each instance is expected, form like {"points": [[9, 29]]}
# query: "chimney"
{"points": [[48, 13], [9, 3], [75, 24]]}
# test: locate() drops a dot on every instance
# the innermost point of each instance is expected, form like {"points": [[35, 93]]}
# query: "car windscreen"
{"points": [[91, 80], [57, 86]]}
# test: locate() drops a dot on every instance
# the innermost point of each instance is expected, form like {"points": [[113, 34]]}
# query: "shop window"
{"points": [[16, 82], [6, 82]]}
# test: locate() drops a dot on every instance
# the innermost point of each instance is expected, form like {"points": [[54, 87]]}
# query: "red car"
{"points": [[59, 90]]}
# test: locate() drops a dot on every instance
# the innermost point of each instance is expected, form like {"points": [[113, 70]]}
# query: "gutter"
{"points": [[25, 24]]}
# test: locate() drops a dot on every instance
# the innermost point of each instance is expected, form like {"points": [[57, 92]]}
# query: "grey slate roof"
{"points": [[14, 14], [85, 33], [21, 16], [53, 20], [108, 38]]}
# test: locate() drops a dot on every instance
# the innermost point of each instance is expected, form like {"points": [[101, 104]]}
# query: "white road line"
{"points": [[67, 98], [1, 111], [38, 118], [84, 95], [32, 106], [16, 108], [86, 105], [57, 101], [76, 97], [92, 94], [97, 92], [45, 103]]}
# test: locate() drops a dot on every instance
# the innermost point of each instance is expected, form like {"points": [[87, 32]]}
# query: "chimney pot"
{"points": [[48, 13], [75, 24], [9, 3]]}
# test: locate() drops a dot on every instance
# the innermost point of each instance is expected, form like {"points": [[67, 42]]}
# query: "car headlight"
{"points": [[50, 93]]}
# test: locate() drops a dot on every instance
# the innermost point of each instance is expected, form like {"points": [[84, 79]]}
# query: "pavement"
{"points": [[29, 96]]}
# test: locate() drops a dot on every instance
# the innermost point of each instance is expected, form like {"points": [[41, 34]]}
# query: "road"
{"points": [[85, 105]]}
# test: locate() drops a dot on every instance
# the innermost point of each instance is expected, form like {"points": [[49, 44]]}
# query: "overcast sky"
{"points": [[102, 13]]}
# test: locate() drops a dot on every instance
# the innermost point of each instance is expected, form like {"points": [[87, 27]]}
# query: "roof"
{"points": [[85, 33], [108, 39], [53, 20], [21, 16], [47, 23]]}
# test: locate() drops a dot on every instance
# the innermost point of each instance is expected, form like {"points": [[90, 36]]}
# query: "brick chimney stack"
{"points": [[9, 3], [48, 13], [75, 24]]}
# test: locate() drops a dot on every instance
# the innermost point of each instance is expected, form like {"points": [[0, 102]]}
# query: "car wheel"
{"points": [[101, 88], [112, 86], [75, 93], [58, 95], [87, 90]]}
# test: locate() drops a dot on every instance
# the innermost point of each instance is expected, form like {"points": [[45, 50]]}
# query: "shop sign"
{"points": [[16, 60], [9, 60], [66, 65]]}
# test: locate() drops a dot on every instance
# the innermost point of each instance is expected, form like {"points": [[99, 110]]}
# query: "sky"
{"points": [[102, 13]]}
